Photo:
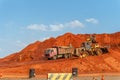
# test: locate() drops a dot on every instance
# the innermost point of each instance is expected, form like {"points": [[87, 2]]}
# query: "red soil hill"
{"points": [[31, 56], [35, 50]]}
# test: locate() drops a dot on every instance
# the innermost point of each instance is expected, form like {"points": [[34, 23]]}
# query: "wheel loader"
{"points": [[91, 47]]}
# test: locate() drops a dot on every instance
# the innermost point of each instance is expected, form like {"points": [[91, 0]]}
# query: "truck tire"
{"points": [[65, 55], [54, 57], [69, 55], [49, 58], [106, 50], [99, 52], [78, 55], [86, 53]]}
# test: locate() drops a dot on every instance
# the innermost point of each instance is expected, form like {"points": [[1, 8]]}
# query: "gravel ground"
{"points": [[23, 79], [75, 78]]}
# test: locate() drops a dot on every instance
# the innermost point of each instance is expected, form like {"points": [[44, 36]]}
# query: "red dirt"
{"points": [[32, 56]]}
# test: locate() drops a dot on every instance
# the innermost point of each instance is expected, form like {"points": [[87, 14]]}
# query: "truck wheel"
{"points": [[66, 56], [78, 55], [99, 52], [94, 53], [86, 54], [54, 57], [49, 58], [106, 50], [69, 55]]}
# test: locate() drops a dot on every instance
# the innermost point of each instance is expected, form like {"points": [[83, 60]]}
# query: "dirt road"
{"points": [[98, 76]]}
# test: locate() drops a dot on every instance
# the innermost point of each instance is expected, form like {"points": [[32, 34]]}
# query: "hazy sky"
{"points": [[25, 21]]}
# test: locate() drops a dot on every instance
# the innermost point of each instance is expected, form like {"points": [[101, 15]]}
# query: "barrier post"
{"points": [[31, 73], [74, 72]]}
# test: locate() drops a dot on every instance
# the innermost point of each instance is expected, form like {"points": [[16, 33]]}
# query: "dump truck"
{"points": [[62, 52], [59, 51]]}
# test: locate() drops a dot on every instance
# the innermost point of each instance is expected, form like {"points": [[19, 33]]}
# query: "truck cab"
{"points": [[50, 53]]}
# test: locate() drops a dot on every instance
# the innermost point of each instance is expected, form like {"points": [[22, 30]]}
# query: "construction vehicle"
{"points": [[90, 47], [59, 51]]}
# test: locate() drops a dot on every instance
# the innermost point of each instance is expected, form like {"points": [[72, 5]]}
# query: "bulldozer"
{"points": [[91, 47]]}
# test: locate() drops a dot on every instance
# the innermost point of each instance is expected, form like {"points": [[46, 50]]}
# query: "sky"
{"points": [[25, 21]]}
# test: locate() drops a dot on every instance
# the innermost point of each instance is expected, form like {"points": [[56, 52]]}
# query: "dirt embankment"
{"points": [[32, 56]]}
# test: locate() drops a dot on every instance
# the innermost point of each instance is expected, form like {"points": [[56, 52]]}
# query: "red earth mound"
{"points": [[35, 50], [32, 56]]}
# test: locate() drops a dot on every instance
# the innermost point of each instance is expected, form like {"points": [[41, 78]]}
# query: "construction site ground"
{"points": [[14, 68], [97, 76]]}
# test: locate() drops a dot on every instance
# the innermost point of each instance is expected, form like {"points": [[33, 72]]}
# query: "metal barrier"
{"points": [[31, 73], [74, 71], [59, 76]]}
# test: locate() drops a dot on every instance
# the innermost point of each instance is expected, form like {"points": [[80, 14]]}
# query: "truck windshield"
{"points": [[48, 51]]}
